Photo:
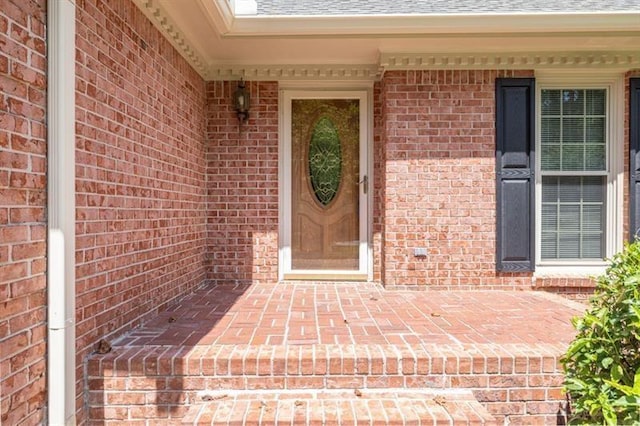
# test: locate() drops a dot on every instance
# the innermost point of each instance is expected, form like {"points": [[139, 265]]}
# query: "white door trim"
{"points": [[284, 178]]}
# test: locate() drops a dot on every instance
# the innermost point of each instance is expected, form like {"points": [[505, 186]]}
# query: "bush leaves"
{"points": [[602, 364]]}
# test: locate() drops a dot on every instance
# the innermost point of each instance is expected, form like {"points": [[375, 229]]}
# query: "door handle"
{"points": [[365, 183]]}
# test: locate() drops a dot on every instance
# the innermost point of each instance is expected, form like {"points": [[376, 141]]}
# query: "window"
{"points": [[573, 142], [577, 178]]}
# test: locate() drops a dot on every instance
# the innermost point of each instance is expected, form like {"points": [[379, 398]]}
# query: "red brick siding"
{"points": [[574, 288], [515, 388], [378, 221], [140, 164], [242, 173], [434, 149], [23, 151], [438, 151]]}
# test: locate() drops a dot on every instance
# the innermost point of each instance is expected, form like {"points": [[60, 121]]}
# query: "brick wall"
{"points": [[379, 176], [438, 151], [140, 173], [242, 171], [575, 288], [23, 197], [434, 149]]}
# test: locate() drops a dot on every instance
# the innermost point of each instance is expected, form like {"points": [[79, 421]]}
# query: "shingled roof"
{"points": [[414, 7]]}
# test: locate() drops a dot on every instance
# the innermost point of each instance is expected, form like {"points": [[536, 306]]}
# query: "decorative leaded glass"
{"points": [[325, 160]]}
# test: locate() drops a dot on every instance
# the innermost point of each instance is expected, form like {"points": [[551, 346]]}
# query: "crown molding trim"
{"points": [[159, 17], [509, 60], [423, 61], [219, 13], [296, 72]]}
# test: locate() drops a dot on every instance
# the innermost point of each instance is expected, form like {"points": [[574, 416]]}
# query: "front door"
{"points": [[327, 186]]}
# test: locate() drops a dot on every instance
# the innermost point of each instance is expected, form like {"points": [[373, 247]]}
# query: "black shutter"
{"points": [[634, 158], [515, 155]]}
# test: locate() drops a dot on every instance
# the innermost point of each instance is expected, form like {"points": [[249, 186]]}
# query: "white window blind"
{"points": [[573, 162]]}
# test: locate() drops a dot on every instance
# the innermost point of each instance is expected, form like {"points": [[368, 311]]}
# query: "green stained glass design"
{"points": [[325, 160]]}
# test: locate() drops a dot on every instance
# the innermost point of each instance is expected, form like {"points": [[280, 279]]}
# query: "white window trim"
{"points": [[614, 84]]}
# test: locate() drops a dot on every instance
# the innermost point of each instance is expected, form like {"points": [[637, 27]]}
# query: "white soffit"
{"points": [[221, 45]]}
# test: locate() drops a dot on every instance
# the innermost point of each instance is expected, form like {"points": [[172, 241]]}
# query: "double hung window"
{"points": [[579, 170], [573, 173]]}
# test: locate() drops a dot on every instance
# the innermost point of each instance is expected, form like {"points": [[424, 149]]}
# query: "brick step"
{"points": [[353, 407], [233, 361], [128, 384]]}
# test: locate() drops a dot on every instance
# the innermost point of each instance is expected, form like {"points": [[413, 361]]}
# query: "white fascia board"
{"points": [[220, 13], [247, 26]]}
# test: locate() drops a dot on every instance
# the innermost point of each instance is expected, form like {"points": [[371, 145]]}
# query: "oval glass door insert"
{"points": [[325, 161]]}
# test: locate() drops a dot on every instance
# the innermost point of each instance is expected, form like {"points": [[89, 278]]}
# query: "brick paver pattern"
{"points": [[357, 313]]}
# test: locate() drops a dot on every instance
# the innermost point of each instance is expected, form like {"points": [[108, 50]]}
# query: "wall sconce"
{"points": [[241, 102]]}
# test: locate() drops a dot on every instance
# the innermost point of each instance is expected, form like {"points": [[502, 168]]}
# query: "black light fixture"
{"points": [[241, 102]]}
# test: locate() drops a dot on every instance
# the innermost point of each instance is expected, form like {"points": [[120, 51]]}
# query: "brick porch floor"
{"points": [[501, 346], [322, 313]]}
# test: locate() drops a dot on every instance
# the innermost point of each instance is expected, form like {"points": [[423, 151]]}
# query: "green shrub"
{"points": [[602, 364]]}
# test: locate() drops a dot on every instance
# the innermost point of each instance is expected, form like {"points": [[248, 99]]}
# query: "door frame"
{"points": [[365, 272]]}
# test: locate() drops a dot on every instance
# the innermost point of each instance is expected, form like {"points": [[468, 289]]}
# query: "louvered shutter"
{"points": [[515, 155], [634, 158]]}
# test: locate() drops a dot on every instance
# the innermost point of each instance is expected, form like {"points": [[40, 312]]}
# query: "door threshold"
{"points": [[300, 276]]}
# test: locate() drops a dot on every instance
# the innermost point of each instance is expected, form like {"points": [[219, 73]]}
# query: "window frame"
{"points": [[613, 83]]}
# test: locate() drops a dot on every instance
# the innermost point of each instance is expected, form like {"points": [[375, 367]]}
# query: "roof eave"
{"points": [[385, 25]]}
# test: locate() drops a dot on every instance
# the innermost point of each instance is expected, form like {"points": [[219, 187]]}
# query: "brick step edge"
{"points": [[340, 407], [322, 360]]}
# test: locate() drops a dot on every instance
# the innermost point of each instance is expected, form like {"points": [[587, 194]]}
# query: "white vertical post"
{"points": [[61, 211]]}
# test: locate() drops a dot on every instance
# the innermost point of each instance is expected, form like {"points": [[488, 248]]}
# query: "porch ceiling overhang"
{"points": [[223, 46]]}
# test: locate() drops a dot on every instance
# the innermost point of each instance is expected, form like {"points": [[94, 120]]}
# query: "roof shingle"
{"points": [[418, 7]]}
